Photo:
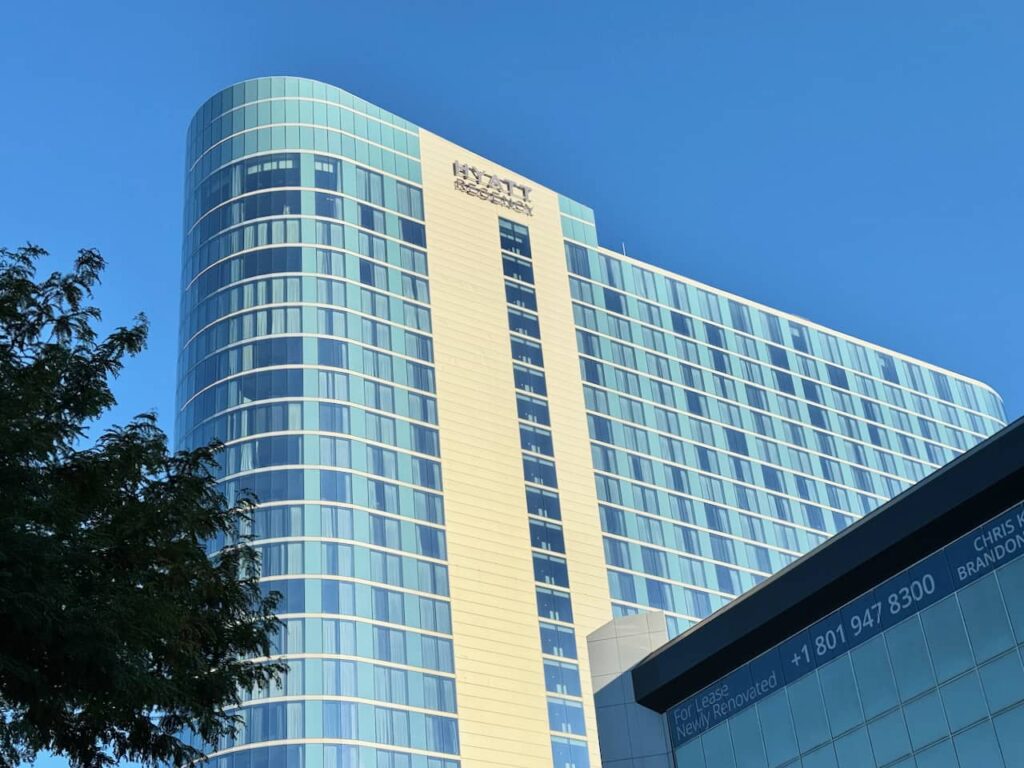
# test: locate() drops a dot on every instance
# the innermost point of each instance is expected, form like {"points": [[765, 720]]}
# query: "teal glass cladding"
{"points": [[306, 347], [923, 670], [728, 439]]}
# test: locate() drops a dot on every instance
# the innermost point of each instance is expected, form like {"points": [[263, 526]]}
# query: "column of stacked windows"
{"points": [[306, 348], [550, 566]]}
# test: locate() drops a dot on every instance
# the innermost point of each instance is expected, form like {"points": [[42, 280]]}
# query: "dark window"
{"points": [[543, 503], [555, 640], [535, 440], [515, 238], [520, 295], [527, 351], [696, 404], [578, 261], [517, 268], [681, 324], [554, 605], [371, 218], [565, 679], [530, 381], [531, 409], [539, 471], [548, 569], [326, 174], [720, 361], [837, 376], [737, 441], [601, 429], [811, 390], [614, 301], [819, 417], [799, 334], [715, 336], [784, 382], [888, 366], [773, 479], [412, 232], [524, 323], [778, 356]]}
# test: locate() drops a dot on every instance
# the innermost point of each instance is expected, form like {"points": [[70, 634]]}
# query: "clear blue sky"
{"points": [[859, 164]]}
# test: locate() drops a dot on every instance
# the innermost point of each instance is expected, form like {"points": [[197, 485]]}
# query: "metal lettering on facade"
{"points": [[492, 188]]}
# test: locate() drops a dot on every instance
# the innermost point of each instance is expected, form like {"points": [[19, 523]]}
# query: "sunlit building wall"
{"points": [[476, 435]]}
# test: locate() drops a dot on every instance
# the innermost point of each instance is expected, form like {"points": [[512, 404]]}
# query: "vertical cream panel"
{"points": [[588, 579], [500, 685]]}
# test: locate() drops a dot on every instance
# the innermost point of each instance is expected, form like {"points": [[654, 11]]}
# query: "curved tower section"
{"points": [[306, 346], [703, 441]]}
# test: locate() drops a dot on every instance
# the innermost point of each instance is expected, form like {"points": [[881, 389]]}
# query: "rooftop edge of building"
{"points": [[791, 316], [947, 504], [275, 86]]}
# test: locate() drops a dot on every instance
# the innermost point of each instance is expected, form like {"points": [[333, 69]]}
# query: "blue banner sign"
{"points": [[967, 559]]}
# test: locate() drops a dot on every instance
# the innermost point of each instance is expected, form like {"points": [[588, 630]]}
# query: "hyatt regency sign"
{"points": [[492, 188]]}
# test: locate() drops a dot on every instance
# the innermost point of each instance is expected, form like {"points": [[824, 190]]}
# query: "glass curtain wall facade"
{"points": [[702, 441], [306, 347], [728, 439]]}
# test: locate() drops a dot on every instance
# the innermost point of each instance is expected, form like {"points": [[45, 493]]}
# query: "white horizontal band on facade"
{"points": [[313, 247], [298, 399], [333, 192], [384, 548], [320, 740], [309, 366], [314, 100], [324, 656], [296, 615], [268, 126], [297, 304]]}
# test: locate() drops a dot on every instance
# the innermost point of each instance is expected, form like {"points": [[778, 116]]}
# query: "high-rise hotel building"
{"points": [[477, 435]]}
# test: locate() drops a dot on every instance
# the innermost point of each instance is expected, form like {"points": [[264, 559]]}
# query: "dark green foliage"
{"points": [[116, 629]]}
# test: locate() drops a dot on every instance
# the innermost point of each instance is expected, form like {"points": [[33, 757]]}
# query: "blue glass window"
{"points": [[566, 716], [561, 677], [552, 604], [514, 237], [557, 641], [520, 295], [546, 536], [517, 268], [548, 569], [543, 503], [532, 409], [539, 471]]}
